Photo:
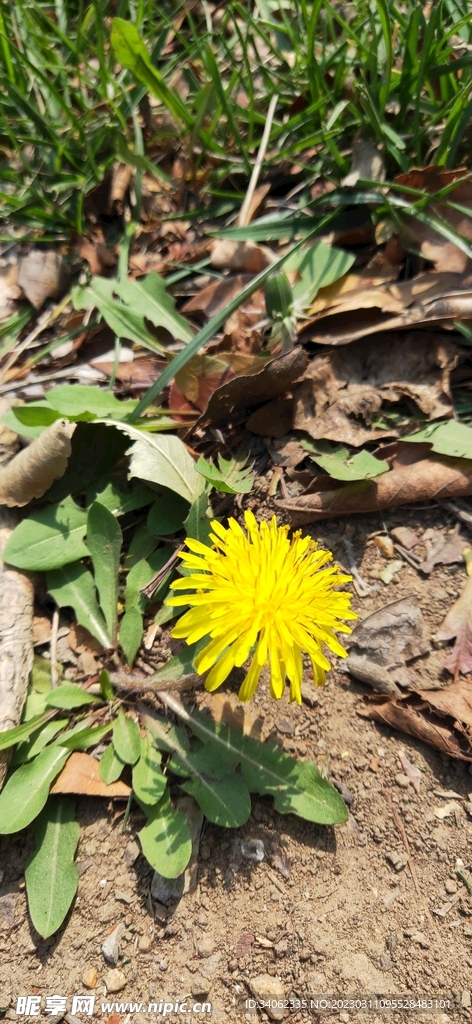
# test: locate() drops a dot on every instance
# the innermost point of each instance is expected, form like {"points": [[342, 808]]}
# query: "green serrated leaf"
{"points": [[296, 787], [169, 738], [111, 766], [118, 302], [50, 874], [73, 587], [168, 513], [149, 294], [48, 539], [165, 839], [131, 634], [26, 791], [222, 795], [343, 464], [148, 781], [68, 696], [228, 476], [30, 420], [446, 438], [104, 539], [126, 738], [19, 733], [72, 400]]}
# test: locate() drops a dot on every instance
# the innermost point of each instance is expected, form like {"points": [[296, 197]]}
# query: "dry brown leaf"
{"points": [[274, 379], [421, 300], [81, 774], [404, 536], [99, 257], [196, 382], [9, 290], [215, 296], [43, 275], [454, 700], [272, 420], [33, 470], [249, 257], [444, 550], [343, 391], [444, 254], [81, 641], [425, 479], [428, 729], [458, 624]]}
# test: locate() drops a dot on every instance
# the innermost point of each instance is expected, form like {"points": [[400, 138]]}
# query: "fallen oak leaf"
{"points": [[81, 774], [408, 481], [31, 472]]}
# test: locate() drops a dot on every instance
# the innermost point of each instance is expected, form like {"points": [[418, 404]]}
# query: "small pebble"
{"points": [[199, 985], [450, 886], [345, 792], [89, 977], [206, 946], [285, 726], [402, 780], [115, 980], [111, 946], [252, 849], [145, 943], [205, 851], [386, 962]]}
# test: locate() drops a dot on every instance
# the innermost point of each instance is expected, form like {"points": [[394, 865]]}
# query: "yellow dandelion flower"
{"points": [[261, 590]]}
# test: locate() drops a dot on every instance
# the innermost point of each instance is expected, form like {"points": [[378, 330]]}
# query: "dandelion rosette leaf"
{"points": [[260, 594]]}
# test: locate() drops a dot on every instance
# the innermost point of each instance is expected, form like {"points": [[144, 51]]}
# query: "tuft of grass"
{"points": [[398, 74]]}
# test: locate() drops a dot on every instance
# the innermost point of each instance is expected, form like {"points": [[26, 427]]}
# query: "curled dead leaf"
{"points": [[423, 479], [423, 726], [343, 391], [275, 378], [33, 470], [396, 305], [42, 275]]}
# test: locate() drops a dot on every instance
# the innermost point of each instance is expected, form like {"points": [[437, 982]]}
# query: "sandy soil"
{"points": [[329, 910]]}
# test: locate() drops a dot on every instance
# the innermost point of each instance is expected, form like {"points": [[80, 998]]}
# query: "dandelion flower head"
{"points": [[261, 594]]}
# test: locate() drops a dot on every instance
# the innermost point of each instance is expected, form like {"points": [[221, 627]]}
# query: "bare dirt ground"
{"points": [[350, 918]]}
